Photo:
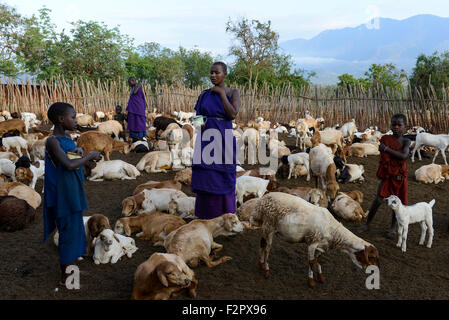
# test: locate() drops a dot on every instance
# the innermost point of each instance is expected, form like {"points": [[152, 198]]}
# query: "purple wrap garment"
{"points": [[214, 183], [136, 111]]}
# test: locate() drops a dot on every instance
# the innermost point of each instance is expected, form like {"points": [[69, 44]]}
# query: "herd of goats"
{"points": [[159, 211]]}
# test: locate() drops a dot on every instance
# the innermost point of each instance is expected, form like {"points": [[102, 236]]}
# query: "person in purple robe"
{"points": [[215, 153], [137, 124]]}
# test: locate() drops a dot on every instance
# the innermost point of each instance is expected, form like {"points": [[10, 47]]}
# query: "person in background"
{"points": [[136, 111], [121, 117]]}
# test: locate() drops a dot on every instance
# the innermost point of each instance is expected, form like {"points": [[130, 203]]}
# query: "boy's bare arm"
{"points": [[56, 153], [402, 155]]}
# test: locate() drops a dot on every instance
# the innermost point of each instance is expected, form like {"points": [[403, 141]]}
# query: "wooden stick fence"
{"points": [[337, 105]]}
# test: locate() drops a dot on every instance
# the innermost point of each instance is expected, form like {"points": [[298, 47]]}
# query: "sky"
{"points": [[202, 23]]}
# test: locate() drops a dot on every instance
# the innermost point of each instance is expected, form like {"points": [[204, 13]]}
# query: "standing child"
{"points": [[121, 117], [64, 198], [394, 151]]}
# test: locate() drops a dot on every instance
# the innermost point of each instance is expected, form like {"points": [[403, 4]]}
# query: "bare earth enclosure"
{"points": [[29, 269]]}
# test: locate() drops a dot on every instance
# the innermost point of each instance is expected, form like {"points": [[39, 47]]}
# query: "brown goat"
{"points": [[12, 125], [101, 142]]}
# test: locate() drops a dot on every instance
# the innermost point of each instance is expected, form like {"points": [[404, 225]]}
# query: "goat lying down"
{"points": [[111, 246], [195, 240], [298, 221], [112, 170]]}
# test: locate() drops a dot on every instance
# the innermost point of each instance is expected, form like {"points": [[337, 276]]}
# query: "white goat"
{"points": [[348, 129], [420, 212], [112, 170], [298, 159], [111, 246], [302, 130], [159, 199], [439, 141], [247, 185], [7, 168], [182, 207], [16, 142]]}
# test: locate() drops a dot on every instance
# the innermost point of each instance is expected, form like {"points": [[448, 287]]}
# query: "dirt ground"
{"points": [[29, 269]]}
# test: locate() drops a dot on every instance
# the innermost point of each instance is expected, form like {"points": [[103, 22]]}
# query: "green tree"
{"points": [[348, 80], [11, 31], [431, 70], [196, 66], [90, 50], [256, 47], [386, 75], [94, 52], [153, 63], [39, 49]]}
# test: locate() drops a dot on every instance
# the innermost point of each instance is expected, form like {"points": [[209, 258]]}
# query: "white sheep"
{"points": [[112, 170], [297, 221], [248, 185], [439, 141], [420, 212]]}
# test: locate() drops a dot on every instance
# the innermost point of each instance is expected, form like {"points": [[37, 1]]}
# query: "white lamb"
{"points": [[113, 170], [298, 159], [439, 141], [16, 142], [111, 246], [159, 199], [182, 207], [420, 212], [247, 185]]}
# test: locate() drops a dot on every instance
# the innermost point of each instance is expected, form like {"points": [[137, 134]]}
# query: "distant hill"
{"points": [[353, 50]]}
